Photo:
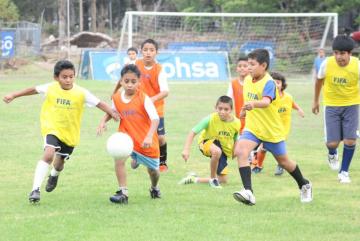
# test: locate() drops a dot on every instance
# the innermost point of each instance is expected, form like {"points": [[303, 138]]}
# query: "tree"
{"points": [[8, 11], [62, 21]]}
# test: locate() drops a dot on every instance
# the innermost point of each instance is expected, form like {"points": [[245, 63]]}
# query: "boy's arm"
{"points": [[186, 152], [149, 136], [316, 104], [11, 96], [263, 103], [160, 96], [298, 108], [102, 126], [107, 109], [164, 88]]}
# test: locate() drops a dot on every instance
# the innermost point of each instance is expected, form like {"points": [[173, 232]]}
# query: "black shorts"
{"points": [[60, 147]]}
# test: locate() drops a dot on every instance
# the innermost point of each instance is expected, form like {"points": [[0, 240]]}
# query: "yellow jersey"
{"points": [[341, 84], [285, 109], [225, 132], [264, 123]]}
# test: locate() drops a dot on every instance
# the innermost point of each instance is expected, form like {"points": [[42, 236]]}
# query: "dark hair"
{"points": [[225, 99], [61, 65], [278, 76], [130, 68], [132, 49], [150, 41], [242, 58], [343, 43], [261, 56]]}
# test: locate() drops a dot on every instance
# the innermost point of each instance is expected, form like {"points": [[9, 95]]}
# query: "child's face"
{"points": [[321, 53], [149, 52], [242, 68], [66, 78], [342, 57], [130, 83], [278, 84], [256, 69], [132, 55], [224, 110]]}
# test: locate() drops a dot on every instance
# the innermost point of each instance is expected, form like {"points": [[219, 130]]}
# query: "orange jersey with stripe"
{"points": [[136, 122], [150, 83], [238, 98]]}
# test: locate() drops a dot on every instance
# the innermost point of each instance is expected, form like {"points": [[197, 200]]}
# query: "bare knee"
{"points": [[162, 140], [333, 144]]}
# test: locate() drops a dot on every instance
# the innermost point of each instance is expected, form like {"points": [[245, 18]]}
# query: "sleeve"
{"points": [[150, 109], [269, 90], [90, 99], [203, 124], [230, 91], [163, 81], [322, 69], [42, 89]]}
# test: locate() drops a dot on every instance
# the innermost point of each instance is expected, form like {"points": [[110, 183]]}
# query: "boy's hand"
{"points": [[8, 98], [248, 106], [115, 116], [315, 108], [301, 113], [101, 129], [185, 155], [147, 142]]}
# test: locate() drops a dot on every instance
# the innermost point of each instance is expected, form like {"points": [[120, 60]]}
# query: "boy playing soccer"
{"points": [[286, 104], [61, 115], [154, 84], [139, 119], [235, 90], [263, 125], [339, 75], [219, 131]]}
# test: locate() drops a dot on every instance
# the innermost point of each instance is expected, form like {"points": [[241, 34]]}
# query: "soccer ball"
{"points": [[119, 145]]}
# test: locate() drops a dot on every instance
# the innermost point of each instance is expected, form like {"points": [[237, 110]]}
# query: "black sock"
{"points": [[245, 174], [296, 174], [163, 154]]}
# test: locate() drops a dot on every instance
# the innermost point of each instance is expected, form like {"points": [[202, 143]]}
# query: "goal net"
{"points": [[292, 39]]}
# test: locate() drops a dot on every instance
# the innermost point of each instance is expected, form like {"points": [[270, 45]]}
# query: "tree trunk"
{"points": [[81, 16], [93, 15], [62, 21]]}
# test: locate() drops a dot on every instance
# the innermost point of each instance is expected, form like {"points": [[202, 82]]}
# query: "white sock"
{"points": [[124, 190], [54, 173], [41, 171]]}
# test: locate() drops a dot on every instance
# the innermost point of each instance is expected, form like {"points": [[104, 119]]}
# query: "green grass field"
{"points": [[79, 208]]}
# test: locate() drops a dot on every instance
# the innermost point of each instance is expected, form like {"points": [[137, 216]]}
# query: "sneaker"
{"points": [[214, 182], [256, 170], [333, 162], [245, 196], [163, 167], [278, 171], [134, 164], [189, 179], [306, 193], [344, 177], [34, 196], [119, 197], [155, 192], [51, 183]]}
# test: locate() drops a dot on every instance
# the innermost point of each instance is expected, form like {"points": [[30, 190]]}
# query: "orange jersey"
{"points": [[136, 123], [238, 98], [150, 83]]}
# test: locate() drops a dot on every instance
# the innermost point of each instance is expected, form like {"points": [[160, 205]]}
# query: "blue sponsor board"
{"points": [[201, 46], [184, 66], [249, 46], [7, 44]]}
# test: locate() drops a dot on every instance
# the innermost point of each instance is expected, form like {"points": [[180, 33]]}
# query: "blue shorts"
{"points": [[161, 127], [152, 163], [277, 149]]}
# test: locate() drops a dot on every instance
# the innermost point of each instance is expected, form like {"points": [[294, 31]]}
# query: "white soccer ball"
{"points": [[119, 145]]}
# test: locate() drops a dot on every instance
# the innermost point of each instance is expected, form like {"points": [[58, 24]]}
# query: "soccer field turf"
{"points": [[79, 208]]}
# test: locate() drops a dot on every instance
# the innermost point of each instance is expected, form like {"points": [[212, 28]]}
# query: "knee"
{"points": [[350, 142], [215, 151], [333, 145], [162, 140]]}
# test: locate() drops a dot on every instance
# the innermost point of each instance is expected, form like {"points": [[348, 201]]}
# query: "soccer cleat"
{"points": [[134, 164], [245, 196], [163, 167], [344, 177], [278, 171], [306, 193], [214, 183], [119, 197], [34, 196], [51, 183], [155, 192], [189, 179], [256, 170], [333, 162]]}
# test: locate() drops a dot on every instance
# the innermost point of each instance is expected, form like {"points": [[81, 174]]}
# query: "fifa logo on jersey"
{"points": [[63, 101], [224, 133], [252, 96], [282, 110], [340, 81]]}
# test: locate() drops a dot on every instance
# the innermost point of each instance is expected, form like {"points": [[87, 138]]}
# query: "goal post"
{"points": [[291, 38]]}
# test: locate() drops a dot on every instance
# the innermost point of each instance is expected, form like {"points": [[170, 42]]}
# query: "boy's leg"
{"points": [[121, 196], [333, 134], [163, 145], [154, 175], [58, 166]]}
